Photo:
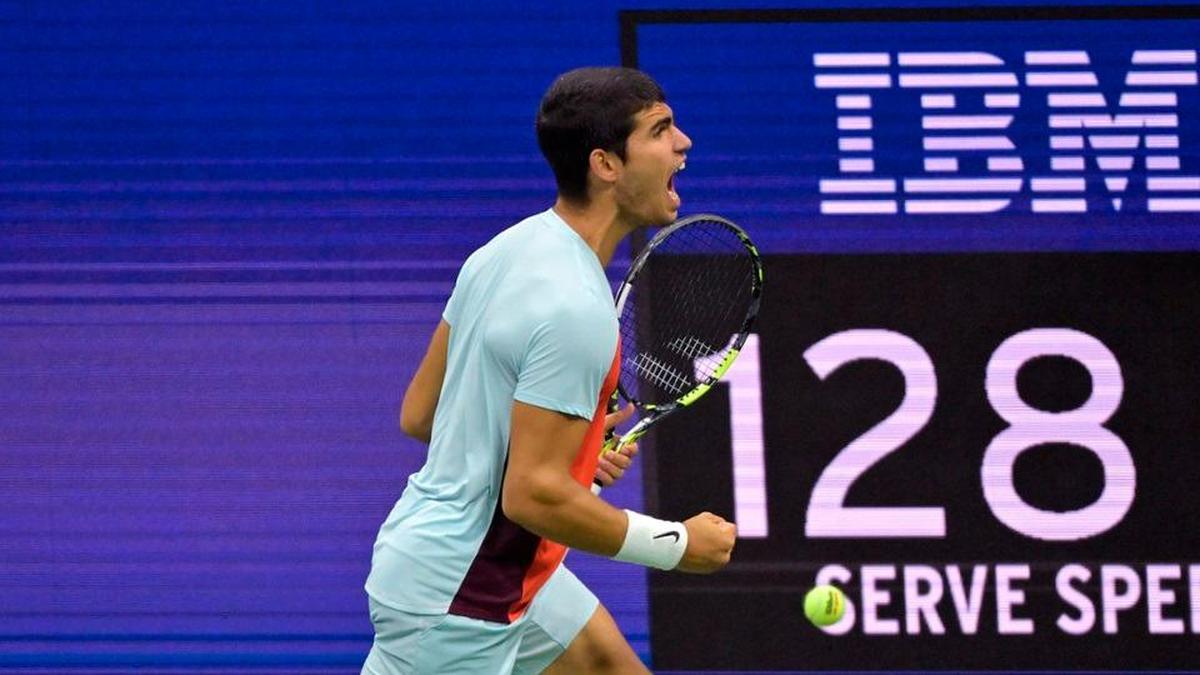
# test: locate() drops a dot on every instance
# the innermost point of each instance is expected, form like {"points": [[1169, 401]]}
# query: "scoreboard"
{"points": [[986, 436]]}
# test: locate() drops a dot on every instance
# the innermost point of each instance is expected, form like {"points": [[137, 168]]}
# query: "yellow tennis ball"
{"points": [[824, 605]]}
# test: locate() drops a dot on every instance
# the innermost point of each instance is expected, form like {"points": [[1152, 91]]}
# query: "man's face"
{"points": [[654, 153]]}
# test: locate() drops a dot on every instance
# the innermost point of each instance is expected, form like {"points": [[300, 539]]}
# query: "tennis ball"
{"points": [[824, 605]]}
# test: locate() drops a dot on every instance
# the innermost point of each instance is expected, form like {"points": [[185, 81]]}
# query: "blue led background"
{"points": [[226, 233], [767, 169]]}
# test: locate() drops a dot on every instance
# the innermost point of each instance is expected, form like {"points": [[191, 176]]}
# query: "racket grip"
{"points": [[611, 442], [610, 439]]}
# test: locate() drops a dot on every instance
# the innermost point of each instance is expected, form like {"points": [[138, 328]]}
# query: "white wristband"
{"points": [[653, 542]]}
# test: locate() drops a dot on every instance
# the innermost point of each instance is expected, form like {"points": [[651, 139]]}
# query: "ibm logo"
{"points": [[1082, 123]]}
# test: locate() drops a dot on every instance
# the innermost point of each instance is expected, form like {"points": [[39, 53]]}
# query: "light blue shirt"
{"points": [[531, 319]]}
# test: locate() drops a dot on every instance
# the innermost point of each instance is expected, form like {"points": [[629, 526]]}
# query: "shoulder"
{"points": [[572, 324], [499, 247]]}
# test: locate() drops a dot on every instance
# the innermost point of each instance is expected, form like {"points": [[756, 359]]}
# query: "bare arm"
{"points": [[539, 492], [541, 496], [421, 397]]}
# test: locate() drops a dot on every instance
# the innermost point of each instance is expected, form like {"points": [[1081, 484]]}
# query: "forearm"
{"points": [[541, 495], [565, 512]]}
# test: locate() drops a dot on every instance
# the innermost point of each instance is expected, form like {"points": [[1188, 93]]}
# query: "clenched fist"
{"points": [[710, 543]]}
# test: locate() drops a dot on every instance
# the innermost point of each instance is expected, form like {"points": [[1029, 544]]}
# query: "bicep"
{"points": [[543, 440]]}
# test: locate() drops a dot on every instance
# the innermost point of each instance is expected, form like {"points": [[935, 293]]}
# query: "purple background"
{"points": [[226, 234]]}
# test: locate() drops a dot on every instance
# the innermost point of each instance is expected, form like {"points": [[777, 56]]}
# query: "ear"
{"points": [[606, 166]]}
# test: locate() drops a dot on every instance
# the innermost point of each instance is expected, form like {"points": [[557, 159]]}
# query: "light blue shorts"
{"points": [[444, 644]]}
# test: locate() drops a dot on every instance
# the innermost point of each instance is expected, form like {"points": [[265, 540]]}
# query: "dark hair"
{"points": [[586, 109]]}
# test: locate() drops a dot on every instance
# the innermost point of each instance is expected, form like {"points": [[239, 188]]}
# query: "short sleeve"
{"points": [[568, 357], [450, 313], [457, 298]]}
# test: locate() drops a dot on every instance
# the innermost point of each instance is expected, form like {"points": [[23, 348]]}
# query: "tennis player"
{"points": [[466, 575]]}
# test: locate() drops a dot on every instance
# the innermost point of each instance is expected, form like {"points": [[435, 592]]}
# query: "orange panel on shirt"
{"points": [[550, 553]]}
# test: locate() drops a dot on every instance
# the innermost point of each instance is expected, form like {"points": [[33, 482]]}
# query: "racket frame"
{"points": [[655, 412]]}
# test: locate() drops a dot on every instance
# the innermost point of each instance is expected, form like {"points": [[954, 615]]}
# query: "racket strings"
{"points": [[701, 280], [720, 293]]}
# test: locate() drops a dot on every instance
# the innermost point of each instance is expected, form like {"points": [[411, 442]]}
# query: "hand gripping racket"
{"points": [[685, 309]]}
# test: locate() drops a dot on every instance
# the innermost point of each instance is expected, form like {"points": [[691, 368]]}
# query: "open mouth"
{"points": [[671, 185]]}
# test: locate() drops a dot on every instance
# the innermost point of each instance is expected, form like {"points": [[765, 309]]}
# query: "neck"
{"points": [[597, 222]]}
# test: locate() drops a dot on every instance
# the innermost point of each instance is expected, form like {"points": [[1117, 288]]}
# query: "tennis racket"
{"points": [[685, 309]]}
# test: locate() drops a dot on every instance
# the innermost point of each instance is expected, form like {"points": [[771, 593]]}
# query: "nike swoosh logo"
{"points": [[669, 533]]}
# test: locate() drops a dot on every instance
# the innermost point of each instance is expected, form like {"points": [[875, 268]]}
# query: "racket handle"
{"points": [[611, 442], [614, 405]]}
